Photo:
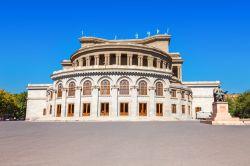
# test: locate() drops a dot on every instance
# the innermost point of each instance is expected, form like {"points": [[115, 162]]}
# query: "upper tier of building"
{"points": [[158, 41], [151, 53]]}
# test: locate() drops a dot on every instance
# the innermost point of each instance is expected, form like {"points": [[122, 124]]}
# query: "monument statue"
{"points": [[219, 94], [220, 114]]}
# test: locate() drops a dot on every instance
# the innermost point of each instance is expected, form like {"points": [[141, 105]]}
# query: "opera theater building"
{"points": [[134, 79]]}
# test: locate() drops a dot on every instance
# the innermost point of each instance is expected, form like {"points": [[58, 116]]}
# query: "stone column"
{"points": [[54, 104], [134, 104], [107, 59], [164, 64], [151, 108], [180, 73], [64, 103], [150, 61], [114, 104], [77, 102], [158, 63], [95, 102], [118, 58], [80, 62], [96, 60], [131, 59], [167, 104], [88, 61], [140, 57], [128, 59], [167, 65]]}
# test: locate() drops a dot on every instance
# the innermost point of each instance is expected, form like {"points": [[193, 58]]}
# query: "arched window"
{"points": [[124, 87], [105, 87], [159, 89], [71, 89], [87, 88], [143, 88], [59, 90]]}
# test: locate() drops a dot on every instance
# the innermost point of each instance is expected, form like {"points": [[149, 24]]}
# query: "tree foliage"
{"points": [[240, 106], [12, 106]]}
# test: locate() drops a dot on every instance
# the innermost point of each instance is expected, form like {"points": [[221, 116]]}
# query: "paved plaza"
{"points": [[123, 143]]}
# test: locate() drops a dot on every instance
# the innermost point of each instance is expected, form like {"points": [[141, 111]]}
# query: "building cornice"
{"points": [[136, 41], [127, 72]]}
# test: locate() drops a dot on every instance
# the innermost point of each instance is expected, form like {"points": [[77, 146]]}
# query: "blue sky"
{"points": [[212, 36]]}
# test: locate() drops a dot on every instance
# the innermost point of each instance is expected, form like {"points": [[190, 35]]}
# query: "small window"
{"points": [[183, 109], [174, 108], [44, 112], [173, 93], [58, 110], [175, 71], [183, 94], [189, 110], [145, 61], [159, 89], [50, 109], [51, 95], [197, 109]]}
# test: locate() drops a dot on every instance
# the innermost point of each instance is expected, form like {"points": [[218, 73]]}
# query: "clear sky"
{"points": [[212, 36]]}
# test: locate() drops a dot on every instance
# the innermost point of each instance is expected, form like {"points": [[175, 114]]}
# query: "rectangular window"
{"points": [[175, 71], [174, 108], [51, 95], [44, 112], [173, 93], [183, 109], [189, 110], [86, 109], [183, 94], [58, 110], [123, 109], [142, 109], [50, 109], [159, 109], [197, 109], [70, 110], [104, 109]]}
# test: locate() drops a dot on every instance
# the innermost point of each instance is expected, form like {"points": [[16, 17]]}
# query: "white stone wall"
{"points": [[202, 97], [114, 99], [36, 101]]}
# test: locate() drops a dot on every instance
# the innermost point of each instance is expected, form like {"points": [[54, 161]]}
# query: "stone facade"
{"points": [[120, 79]]}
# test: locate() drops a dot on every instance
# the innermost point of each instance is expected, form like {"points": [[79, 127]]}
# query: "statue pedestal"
{"points": [[221, 116]]}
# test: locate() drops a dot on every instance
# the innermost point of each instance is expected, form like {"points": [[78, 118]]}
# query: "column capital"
{"points": [[129, 54], [140, 56]]}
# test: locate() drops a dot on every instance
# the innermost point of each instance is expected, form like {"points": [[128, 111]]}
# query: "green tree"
{"points": [[12, 105], [21, 103], [242, 108], [231, 105]]}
